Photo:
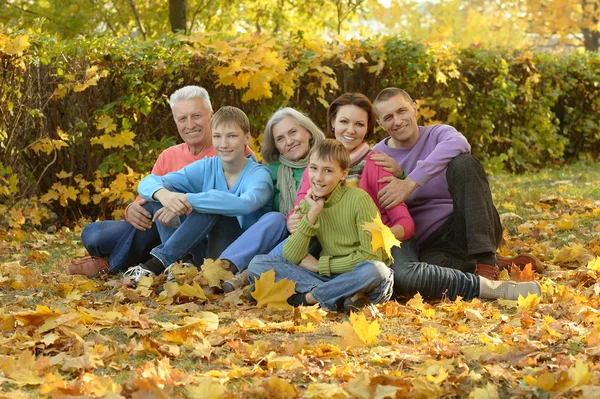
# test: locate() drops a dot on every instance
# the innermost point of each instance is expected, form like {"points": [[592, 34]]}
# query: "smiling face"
{"points": [[324, 175], [229, 141], [398, 117], [291, 140], [192, 117], [350, 126]]}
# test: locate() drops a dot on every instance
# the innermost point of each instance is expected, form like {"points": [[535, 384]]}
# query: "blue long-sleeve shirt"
{"points": [[206, 187]]}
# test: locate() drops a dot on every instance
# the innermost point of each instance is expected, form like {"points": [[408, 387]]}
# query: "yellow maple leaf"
{"points": [[527, 302], [106, 123], [359, 332], [487, 392], [192, 291], [273, 294], [381, 235], [594, 264], [16, 46], [322, 390], [214, 272], [205, 388], [63, 174], [276, 387]]}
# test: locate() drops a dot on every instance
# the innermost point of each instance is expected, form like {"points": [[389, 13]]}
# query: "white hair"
{"points": [[189, 93]]}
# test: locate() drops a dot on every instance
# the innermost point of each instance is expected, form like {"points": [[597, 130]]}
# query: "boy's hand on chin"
{"points": [[316, 206]]}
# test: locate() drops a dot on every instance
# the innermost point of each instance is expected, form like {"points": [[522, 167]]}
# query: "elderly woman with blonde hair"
{"points": [[288, 137]]}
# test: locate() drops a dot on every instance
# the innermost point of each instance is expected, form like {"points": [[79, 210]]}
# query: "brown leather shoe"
{"points": [[520, 260], [488, 271], [88, 266]]}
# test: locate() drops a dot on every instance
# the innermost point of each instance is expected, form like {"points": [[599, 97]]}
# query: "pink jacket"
{"points": [[369, 182]]}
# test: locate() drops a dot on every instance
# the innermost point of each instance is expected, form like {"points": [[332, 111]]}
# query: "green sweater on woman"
{"points": [[345, 244]]}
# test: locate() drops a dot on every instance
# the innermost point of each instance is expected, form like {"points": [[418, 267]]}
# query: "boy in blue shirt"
{"points": [[217, 197]]}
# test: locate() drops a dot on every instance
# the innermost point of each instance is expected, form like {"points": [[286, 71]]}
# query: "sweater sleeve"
{"points": [[257, 192], [399, 214], [186, 180], [365, 212], [296, 246], [449, 144], [302, 190]]}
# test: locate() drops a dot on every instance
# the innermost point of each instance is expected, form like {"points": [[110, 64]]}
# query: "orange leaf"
{"points": [[518, 275]]}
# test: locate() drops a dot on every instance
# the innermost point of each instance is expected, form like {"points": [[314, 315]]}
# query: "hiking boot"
{"points": [[135, 273], [237, 282], [511, 290], [88, 266], [488, 271], [355, 302], [521, 260]]}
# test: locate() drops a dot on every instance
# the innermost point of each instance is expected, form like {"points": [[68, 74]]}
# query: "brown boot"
{"points": [[489, 289], [88, 266], [238, 281], [521, 261], [488, 271]]}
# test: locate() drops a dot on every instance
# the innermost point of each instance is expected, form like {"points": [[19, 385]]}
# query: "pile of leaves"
{"points": [[69, 336]]}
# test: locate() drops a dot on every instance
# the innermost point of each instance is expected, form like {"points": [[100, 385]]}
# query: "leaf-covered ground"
{"points": [[69, 336]]}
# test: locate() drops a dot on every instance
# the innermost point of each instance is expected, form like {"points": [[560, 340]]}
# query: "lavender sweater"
{"points": [[426, 163]]}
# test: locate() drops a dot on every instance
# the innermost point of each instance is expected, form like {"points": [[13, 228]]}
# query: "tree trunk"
{"points": [[177, 15], [591, 39]]}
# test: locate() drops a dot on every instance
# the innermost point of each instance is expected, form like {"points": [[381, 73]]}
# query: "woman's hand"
{"points": [[294, 219]]}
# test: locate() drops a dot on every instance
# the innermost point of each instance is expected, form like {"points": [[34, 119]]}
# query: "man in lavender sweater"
{"points": [[446, 190]]}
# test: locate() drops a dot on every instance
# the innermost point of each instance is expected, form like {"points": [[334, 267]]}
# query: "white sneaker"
{"points": [[135, 273], [169, 270]]}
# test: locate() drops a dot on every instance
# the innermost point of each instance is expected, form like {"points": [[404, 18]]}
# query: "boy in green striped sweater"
{"points": [[348, 274]]}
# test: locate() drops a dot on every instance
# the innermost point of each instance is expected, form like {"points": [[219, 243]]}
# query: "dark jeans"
{"points": [[188, 234], [121, 244], [412, 276], [473, 231]]}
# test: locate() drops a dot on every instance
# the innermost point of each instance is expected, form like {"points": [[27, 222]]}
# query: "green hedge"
{"points": [[519, 110]]}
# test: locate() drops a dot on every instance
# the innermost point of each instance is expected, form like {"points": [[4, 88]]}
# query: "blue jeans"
{"points": [[188, 238], [372, 278], [412, 276], [121, 244], [259, 239]]}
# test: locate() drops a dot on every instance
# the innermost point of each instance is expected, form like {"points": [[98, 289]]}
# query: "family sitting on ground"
{"points": [[301, 214]]}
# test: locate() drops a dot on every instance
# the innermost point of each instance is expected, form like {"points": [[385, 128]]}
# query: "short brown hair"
{"points": [[390, 92], [230, 116], [357, 99], [332, 150]]}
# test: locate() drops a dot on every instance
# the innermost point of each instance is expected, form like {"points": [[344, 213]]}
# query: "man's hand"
{"points": [[139, 217], [176, 203], [164, 216], [316, 206], [395, 192], [310, 263], [294, 219], [389, 164]]}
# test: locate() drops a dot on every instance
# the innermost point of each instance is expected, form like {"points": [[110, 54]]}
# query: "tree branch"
{"points": [[138, 19]]}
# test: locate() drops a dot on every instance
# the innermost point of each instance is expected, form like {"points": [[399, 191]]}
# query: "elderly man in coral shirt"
{"points": [[115, 245]]}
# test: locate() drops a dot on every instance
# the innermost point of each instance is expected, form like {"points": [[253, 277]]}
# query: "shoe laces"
{"points": [[137, 272]]}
